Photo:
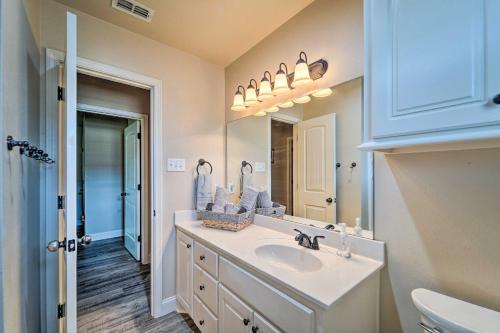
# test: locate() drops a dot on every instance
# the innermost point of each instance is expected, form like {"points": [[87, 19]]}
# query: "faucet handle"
{"points": [[315, 245], [299, 236]]}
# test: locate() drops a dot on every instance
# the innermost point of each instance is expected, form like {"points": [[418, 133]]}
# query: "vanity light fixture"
{"points": [[286, 105], [260, 114], [273, 109], [238, 101], [251, 95], [265, 90], [301, 75], [302, 99], [325, 92], [281, 80]]}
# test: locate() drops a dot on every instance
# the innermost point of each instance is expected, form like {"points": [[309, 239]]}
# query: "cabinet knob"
{"points": [[246, 321], [202, 257], [329, 200], [254, 329], [188, 246], [202, 287], [496, 99], [202, 322]]}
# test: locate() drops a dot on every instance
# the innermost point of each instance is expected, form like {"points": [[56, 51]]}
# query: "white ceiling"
{"points": [[219, 31]]}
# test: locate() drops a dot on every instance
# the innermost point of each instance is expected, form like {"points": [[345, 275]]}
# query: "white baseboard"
{"points": [[106, 234], [168, 305]]}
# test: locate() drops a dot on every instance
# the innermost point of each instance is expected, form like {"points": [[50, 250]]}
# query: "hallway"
{"points": [[113, 293]]}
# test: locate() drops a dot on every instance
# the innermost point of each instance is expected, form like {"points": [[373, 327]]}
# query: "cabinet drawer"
{"points": [[203, 318], [205, 287], [206, 259], [280, 309]]}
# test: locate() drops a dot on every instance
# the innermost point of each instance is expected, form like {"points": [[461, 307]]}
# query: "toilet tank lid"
{"points": [[454, 314]]}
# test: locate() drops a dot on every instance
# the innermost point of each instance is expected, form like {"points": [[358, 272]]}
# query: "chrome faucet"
{"points": [[305, 240]]}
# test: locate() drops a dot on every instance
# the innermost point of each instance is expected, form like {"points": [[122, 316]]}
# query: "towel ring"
{"points": [[202, 162], [245, 164]]}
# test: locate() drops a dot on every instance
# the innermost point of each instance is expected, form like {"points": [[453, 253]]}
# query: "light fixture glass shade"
{"points": [[251, 97], [238, 102], [302, 100], [322, 92], [286, 105], [265, 91], [260, 114], [301, 75], [273, 109], [280, 84]]}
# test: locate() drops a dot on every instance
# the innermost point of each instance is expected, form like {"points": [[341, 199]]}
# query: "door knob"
{"points": [[55, 245], [123, 194], [85, 240], [329, 200], [496, 99]]}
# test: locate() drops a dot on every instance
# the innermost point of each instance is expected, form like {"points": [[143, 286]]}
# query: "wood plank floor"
{"points": [[113, 293]]}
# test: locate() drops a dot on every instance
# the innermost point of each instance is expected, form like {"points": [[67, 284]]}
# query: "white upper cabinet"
{"points": [[432, 71]]}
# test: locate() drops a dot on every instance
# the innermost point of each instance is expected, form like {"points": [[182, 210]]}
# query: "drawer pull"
{"points": [[202, 322], [202, 257], [202, 287], [188, 246], [496, 99], [254, 329], [246, 321]]}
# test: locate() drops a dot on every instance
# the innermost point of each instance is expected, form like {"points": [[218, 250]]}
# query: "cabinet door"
{"points": [[234, 315], [260, 325], [432, 66], [185, 271]]}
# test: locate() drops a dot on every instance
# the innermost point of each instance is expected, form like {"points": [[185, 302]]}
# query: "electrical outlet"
{"points": [[176, 165]]}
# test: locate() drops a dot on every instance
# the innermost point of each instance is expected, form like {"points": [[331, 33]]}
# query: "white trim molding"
{"points": [[107, 234], [55, 59]]}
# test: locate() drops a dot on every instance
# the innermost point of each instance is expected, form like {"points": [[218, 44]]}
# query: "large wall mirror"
{"points": [[306, 157]]}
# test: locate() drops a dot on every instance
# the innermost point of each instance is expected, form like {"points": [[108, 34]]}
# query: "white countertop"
{"points": [[323, 287]]}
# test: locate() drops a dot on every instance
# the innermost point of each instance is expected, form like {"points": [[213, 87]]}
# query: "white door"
{"points": [[316, 184], [184, 271], [261, 325], [67, 184], [132, 193], [234, 315]]}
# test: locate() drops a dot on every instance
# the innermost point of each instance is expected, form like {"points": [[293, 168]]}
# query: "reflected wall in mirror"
{"points": [[306, 157]]}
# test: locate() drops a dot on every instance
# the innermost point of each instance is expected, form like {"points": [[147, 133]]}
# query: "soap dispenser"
{"points": [[358, 231], [344, 249]]}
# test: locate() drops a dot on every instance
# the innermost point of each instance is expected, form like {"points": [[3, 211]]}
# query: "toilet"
{"points": [[444, 314]]}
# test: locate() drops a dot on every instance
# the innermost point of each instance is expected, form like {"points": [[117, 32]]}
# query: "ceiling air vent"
{"points": [[133, 8]]}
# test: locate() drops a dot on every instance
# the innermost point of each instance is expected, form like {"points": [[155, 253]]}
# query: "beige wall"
{"points": [[327, 29], [99, 92], [20, 248], [193, 106], [438, 214]]}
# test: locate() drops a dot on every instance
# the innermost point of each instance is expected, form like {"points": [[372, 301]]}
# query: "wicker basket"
{"points": [[232, 222], [276, 212]]}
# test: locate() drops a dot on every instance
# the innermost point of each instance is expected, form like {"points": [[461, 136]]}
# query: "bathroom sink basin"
{"points": [[290, 258]]}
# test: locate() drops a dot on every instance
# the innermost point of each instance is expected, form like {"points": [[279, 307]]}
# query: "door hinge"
{"points": [[61, 310], [139, 136], [139, 238], [60, 202], [60, 93], [138, 187]]}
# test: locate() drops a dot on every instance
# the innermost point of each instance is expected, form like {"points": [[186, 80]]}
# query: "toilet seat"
{"points": [[455, 315]]}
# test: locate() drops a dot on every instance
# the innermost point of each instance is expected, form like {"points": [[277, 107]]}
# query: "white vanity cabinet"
{"points": [[185, 271], [431, 72]]}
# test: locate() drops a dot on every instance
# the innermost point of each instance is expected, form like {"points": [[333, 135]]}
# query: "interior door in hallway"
{"points": [[132, 193], [316, 169]]}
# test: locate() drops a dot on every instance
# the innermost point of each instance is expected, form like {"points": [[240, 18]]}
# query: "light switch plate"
{"points": [[176, 164], [260, 167]]}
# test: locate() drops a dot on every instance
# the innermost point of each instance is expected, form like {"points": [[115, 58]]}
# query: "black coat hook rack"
{"points": [[26, 149], [245, 164], [202, 162]]}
